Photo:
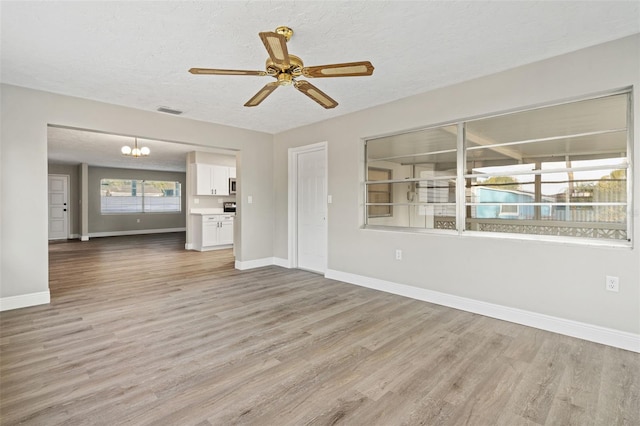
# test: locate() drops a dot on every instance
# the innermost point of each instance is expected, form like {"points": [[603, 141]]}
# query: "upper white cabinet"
{"points": [[220, 180], [212, 180], [232, 172]]}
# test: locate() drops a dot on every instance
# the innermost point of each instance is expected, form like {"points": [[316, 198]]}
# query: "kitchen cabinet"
{"points": [[225, 232], [213, 231], [212, 179]]}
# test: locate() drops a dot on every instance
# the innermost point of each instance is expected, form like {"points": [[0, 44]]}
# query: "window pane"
{"points": [[419, 216], [576, 154], [411, 155], [601, 185], [502, 180], [379, 192], [423, 166], [425, 204], [431, 191], [138, 196], [593, 115], [425, 147], [610, 147], [120, 196], [597, 203], [162, 196], [601, 222]]}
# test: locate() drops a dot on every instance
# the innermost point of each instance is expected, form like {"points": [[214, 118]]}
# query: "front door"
{"points": [[58, 207], [312, 210]]}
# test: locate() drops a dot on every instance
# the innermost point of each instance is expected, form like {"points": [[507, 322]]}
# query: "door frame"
{"points": [[66, 218], [293, 199]]}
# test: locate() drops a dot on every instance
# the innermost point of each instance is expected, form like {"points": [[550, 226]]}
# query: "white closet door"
{"points": [[312, 211]]}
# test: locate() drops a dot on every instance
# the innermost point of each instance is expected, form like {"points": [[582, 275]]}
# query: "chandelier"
{"points": [[135, 151]]}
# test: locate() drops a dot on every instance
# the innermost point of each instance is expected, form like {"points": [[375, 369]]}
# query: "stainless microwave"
{"points": [[232, 185]]}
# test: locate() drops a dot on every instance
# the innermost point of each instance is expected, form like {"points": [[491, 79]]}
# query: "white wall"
{"points": [[561, 280], [23, 207]]}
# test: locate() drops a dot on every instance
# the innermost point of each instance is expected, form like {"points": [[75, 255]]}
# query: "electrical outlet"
{"points": [[138, 220], [612, 283], [398, 254]]}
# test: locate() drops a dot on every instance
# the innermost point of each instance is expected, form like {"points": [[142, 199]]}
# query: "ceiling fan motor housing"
{"points": [[285, 76]]}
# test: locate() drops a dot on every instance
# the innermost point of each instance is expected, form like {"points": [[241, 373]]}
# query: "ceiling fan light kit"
{"points": [[286, 68]]}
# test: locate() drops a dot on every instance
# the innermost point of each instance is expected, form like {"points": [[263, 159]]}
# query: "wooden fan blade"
{"points": [[262, 94], [350, 69], [316, 94], [276, 45], [224, 72]]}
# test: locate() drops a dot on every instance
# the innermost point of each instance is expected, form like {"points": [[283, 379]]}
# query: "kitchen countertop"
{"points": [[209, 211]]}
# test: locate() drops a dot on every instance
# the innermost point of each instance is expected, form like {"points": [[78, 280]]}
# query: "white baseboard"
{"points": [[220, 247], [133, 232], [251, 264], [278, 261], [259, 263], [593, 333], [188, 246], [24, 300], [84, 238]]}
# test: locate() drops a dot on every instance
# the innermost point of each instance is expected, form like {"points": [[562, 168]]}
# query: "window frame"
{"points": [[462, 206]]}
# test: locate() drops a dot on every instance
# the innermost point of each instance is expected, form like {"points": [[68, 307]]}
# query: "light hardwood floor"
{"points": [[142, 332]]}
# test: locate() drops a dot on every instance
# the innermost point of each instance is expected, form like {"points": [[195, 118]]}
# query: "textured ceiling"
{"points": [[137, 53], [74, 146]]}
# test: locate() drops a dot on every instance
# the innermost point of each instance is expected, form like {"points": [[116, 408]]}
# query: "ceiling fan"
{"points": [[286, 68]]}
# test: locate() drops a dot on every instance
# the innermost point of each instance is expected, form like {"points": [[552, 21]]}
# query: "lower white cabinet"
{"points": [[213, 231], [225, 232]]}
